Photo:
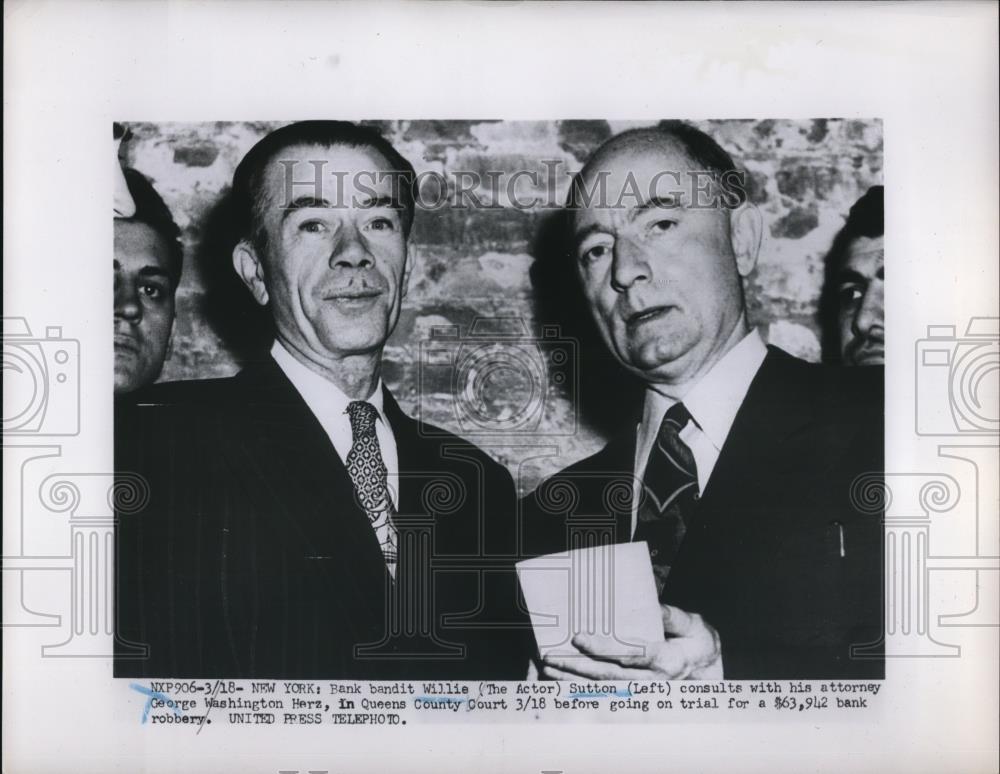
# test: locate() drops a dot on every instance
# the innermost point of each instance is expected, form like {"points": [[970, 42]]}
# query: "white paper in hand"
{"points": [[605, 590]]}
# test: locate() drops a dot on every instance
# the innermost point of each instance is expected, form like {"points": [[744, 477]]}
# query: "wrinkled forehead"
{"points": [[634, 176], [339, 176]]}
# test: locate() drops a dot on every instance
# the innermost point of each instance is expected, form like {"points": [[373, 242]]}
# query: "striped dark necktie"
{"points": [[670, 494]]}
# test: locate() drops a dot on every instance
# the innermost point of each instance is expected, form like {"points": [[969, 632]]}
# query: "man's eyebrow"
{"points": [[850, 275], [581, 234], [301, 203], [153, 271], [385, 201], [667, 202]]}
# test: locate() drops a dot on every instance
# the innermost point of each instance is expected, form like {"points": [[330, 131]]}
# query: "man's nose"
{"points": [[127, 305], [350, 252], [869, 320], [629, 265]]}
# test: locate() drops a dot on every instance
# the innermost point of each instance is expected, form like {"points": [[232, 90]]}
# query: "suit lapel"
{"points": [[773, 410], [289, 453], [410, 453], [764, 440]]}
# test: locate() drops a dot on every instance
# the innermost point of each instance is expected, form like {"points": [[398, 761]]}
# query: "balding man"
{"points": [[741, 457]]}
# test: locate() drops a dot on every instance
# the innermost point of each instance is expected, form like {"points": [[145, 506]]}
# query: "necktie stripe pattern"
{"points": [[681, 465], [371, 478], [670, 488]]}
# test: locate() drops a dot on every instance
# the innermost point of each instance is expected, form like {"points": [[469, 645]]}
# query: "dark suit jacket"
{"points": [[777, 559], [253, 558]]}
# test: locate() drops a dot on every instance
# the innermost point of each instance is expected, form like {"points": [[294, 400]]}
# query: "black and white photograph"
{"points": [[552, 387], [410, 335]]}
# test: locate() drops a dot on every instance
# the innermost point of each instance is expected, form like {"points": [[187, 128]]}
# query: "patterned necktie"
{"points": [[670, 489], [371, 478]]}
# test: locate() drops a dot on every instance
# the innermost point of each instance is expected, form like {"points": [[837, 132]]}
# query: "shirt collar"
{"points": [[323, 397], [715, 400]]}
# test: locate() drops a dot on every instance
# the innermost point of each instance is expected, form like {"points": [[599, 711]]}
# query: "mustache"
{"points": [[366, 286]]}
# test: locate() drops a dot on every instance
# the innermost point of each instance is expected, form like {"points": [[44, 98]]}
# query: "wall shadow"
{"points": [[609, 399], [244, 326]]}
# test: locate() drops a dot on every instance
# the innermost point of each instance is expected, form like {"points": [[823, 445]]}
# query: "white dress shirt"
{"points": [[712, 402], [328, 404]]}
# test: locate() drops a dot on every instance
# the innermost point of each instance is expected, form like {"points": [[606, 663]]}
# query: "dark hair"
{"points": [[152, 211], [700, 148], [865, 219], [248, 193]]}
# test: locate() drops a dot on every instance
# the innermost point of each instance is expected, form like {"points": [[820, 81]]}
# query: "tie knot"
{"points": [[363, 415], [676, 417]]}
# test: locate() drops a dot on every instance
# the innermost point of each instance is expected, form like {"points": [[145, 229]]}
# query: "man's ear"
{"points": [[250, 270], [745, 233]]}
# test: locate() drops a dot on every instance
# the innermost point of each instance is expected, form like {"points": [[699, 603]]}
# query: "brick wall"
{"points": [[474, 263]]}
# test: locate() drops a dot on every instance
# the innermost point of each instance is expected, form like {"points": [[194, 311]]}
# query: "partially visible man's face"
{"points": [[144, 305], [861, 303], [662, 282], [334, 264]]}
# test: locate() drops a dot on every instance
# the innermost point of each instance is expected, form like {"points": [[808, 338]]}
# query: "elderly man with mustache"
{"points": [[300, 524]]}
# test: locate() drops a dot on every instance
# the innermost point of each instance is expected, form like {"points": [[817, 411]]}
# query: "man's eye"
{"points": [[595, 253], [850, 294], [662, 226], [382, 224], [154, 292], [312, 226]]}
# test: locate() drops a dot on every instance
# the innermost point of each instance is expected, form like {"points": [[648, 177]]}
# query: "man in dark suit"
{"points": [[299, 523], [739, 468]]}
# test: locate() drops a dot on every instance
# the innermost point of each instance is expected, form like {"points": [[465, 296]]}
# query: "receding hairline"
{"points": [[646, 139]]}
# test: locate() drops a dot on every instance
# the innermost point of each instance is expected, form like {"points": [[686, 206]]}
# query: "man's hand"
{"points": [[690, 649]]}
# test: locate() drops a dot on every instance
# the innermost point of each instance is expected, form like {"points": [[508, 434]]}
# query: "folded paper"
{"points": [[606, 591]]}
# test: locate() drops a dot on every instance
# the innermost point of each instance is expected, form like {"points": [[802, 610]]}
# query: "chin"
{"points": [[652, 355], [359, 345], [124, 382], [126, 368]]}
